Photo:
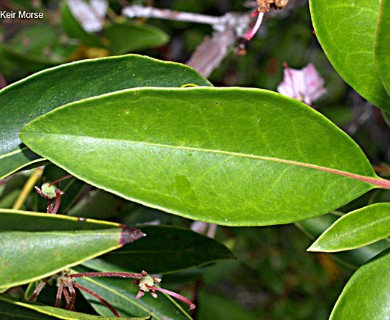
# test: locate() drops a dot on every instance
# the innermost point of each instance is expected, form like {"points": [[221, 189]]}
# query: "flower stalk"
{"points": [[251, 33], [50, 192], [66, 286]]}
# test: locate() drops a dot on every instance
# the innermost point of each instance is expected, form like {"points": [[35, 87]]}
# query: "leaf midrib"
{"points": [[351, 175]]}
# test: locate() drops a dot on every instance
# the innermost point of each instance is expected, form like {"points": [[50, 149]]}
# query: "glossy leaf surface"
{"points": [[164, 249], [347, 33], [121, 293], [28, 239], [383, 44], [356, 229], [366, 295], [11, 309], [314, 227], [227, 156], [31, 97]]}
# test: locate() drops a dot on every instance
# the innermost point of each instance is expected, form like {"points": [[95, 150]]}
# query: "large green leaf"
{"points": [[31, 97], [11, 309], [367, 294], [383, 44], [165, 249], [228, 156], [347, 31], [36, 245], [356, 229], [121, 293]]}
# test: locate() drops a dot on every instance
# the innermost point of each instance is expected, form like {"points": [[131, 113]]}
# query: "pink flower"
{"points": [[305, 85], [150, 284]]}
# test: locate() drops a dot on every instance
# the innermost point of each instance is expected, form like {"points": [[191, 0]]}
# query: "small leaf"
{"points": [[127, 37], [356, 229], [121, 293], [11, 309], [382, 48], [346, 31], [366, 295], [165, 249], [227, 156], [31, 97], [28, 239], [353, 259]]}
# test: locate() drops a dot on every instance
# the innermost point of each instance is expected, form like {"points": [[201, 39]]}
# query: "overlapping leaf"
{"points": [[228, 156], [165, 249], [31, 97], [36, 245]]}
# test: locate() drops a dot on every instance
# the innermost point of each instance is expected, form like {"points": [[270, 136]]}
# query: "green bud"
{"points": [[146, 280], [48, 190]]}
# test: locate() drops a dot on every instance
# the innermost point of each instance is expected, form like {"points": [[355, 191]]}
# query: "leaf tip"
{"points": [[129, 235], [314, 248]]}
